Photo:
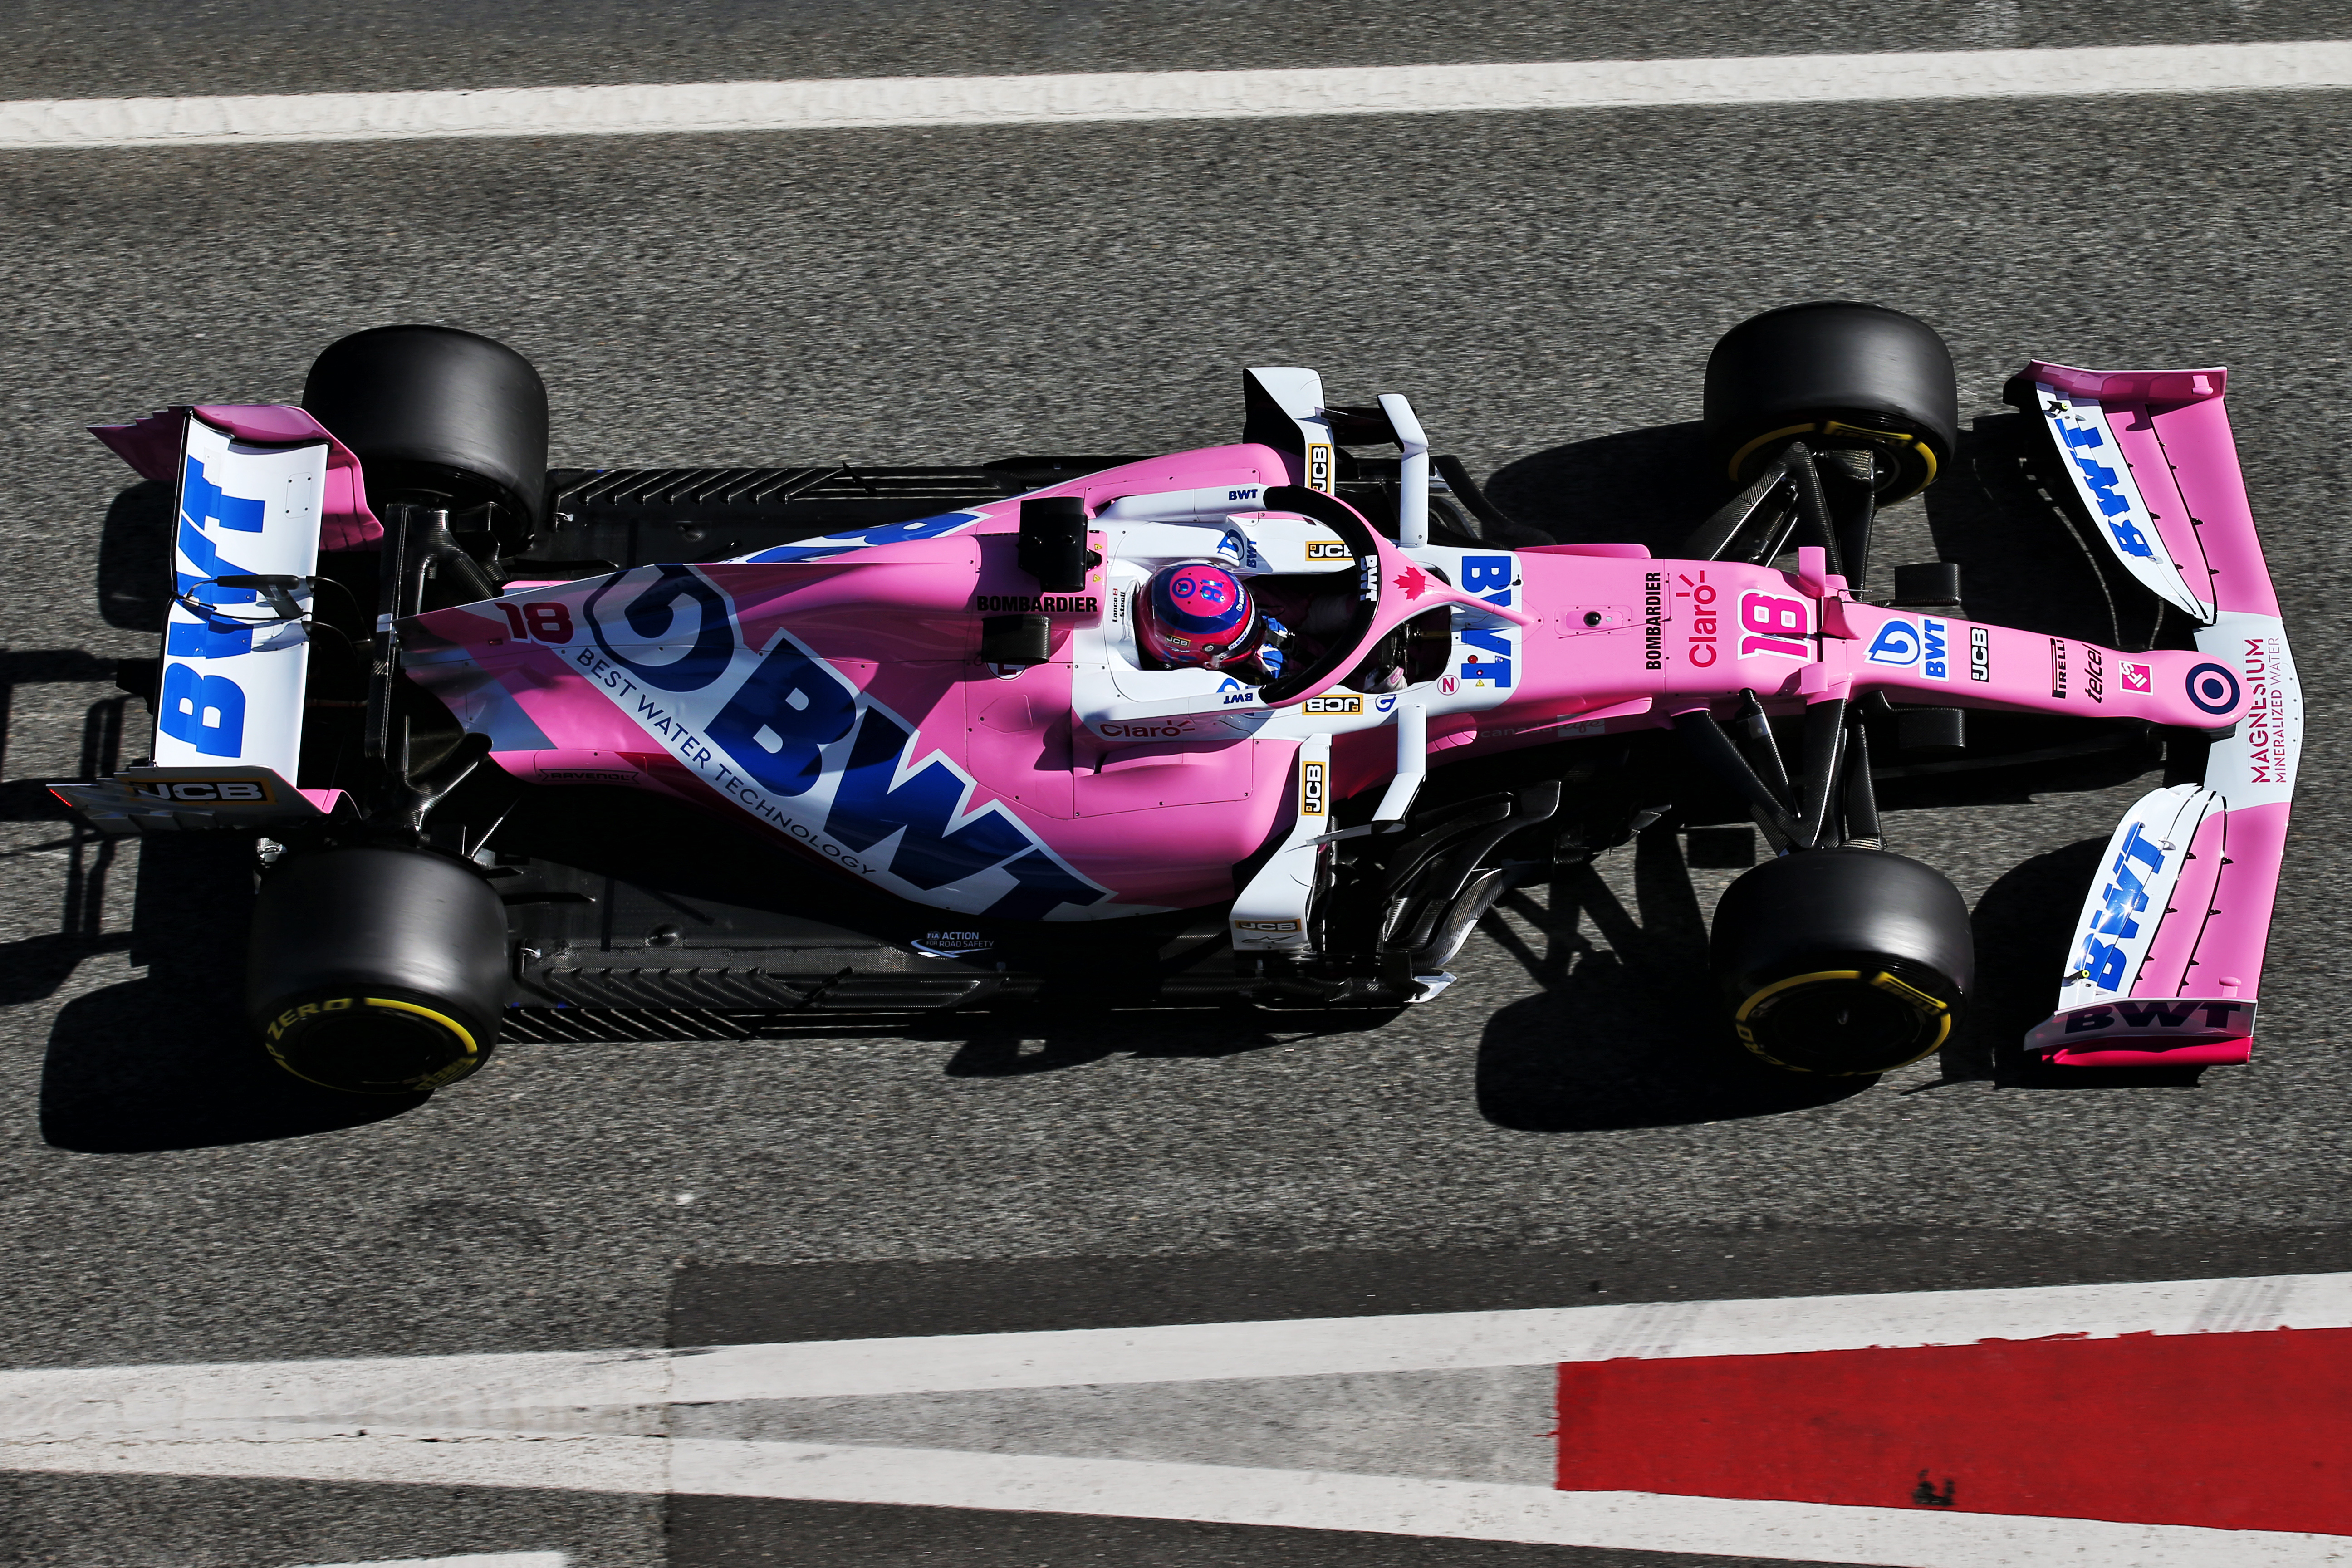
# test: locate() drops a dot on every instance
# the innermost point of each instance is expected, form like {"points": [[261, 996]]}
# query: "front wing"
{"points": [[2167, 957]]}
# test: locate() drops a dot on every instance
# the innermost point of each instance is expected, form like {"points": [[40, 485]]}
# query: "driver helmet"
{"points": [[1195, 612]]}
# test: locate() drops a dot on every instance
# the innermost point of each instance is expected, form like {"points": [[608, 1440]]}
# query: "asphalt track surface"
{"points": [[1550, 1133]]}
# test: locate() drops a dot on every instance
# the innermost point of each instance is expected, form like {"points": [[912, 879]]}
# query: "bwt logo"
{"points": [[1935, 658], [1492, 579], [2106, 487], [1238, 546], [784, 737], [868, 538], [2121, 903], [2158, 1016], [206, 711], [1902, 642]]}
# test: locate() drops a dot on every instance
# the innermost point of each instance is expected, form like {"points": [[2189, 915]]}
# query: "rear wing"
{"points": [[2168, 951], [251, 500]]}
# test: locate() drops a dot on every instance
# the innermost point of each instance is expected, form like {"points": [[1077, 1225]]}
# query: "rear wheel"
{"points": [[1843, 961], [1834, 374], [377, 971], [439, 417]]}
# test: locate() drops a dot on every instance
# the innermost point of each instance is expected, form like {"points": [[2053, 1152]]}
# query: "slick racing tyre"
{"points": [[438, 416], [1842, 960], [1834, 374], [376, 971]]}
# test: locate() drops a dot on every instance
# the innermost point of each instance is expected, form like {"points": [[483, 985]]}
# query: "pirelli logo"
{"points": [[1328, 550], [1331, 705], [1310, 789], [1318, 466]]}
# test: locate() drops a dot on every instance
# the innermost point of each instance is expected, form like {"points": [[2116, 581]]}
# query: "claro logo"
{"points": [[1146, 730], [1701, 650]]}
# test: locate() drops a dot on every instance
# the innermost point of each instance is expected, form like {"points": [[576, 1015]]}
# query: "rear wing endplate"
{"points": [[175, 800], [250, 497]]}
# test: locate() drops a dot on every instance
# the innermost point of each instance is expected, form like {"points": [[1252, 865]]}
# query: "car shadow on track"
{"points": [[166, 1061], [134, 560], [1629, 1033], [2024, 925], [1987, 512], [1650, 486], [1048, 1040]]}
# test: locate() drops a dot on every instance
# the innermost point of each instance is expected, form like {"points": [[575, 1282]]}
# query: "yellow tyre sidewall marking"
{"points": [[1918, 1000], [454, 1070], [1833, 428]]}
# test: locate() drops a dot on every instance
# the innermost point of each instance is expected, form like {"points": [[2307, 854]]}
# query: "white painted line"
{"points": [[1403, 1505], [855, 103], [527, 1461], [470, 1560], [586, 1393], [1439, 1341], [625, 1394], [1391, 1505], [600, 1422]]}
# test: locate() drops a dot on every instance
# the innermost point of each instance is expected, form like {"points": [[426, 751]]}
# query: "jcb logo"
{"points": [[1327, 550], [1331, 705], [1318, 466], [1272, 927], [1310, 789], [249, 792]]}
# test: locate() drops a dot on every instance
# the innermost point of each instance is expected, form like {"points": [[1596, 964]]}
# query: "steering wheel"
{"points": [[1345, 649]]}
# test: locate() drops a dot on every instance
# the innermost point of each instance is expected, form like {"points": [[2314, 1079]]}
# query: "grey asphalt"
{"points": [[1537, 282], [103, 48]]}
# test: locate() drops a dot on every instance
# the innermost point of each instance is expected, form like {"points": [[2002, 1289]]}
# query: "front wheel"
{"points": [[1834, 374], [1847, 961], [377, 971]]}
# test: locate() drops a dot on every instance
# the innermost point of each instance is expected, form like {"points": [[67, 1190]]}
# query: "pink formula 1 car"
{"points": [[1273, 722]]}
